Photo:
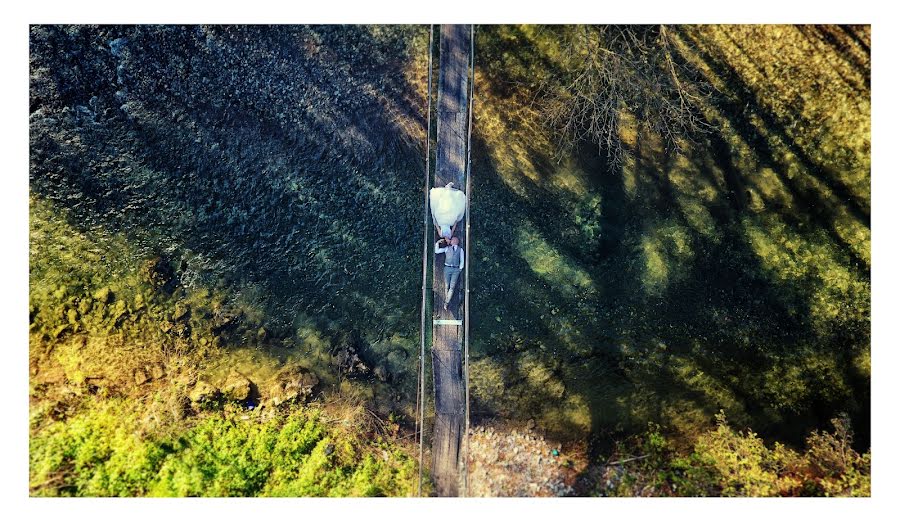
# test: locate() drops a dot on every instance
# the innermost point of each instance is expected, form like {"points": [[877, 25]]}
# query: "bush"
{"points": [[730, 463], [101, 452], [95, 453], [836, 469]]}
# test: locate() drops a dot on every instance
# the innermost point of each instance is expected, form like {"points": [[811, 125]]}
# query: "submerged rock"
{"points": [[348, 362], [117, 45]]}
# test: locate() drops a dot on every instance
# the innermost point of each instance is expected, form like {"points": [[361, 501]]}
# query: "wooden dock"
{"points": [[447, 334]]}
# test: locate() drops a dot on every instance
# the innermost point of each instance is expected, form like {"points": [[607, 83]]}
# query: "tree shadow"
{"points": [[819, 209], [722, 299], [842, 40], [275, 162]]}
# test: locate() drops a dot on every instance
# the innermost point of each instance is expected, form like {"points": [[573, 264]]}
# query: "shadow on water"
{"points": [[674, 352], [272, 158], [278, 162], [814, 204]]}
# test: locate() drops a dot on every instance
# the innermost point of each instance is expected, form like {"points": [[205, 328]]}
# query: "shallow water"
{"points": [[281, 166]]}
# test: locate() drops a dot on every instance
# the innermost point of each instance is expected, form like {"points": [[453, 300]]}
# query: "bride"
{"points": [[448, 205]]}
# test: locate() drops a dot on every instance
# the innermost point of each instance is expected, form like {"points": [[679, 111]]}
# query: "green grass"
{"points": [[103, 451]]}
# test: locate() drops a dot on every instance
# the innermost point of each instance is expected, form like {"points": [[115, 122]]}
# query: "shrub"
{"points": [[725, 462], [95, 453], [102, 452]]}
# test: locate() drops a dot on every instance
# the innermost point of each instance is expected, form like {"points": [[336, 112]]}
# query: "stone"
{"points": [[157, 371], [237, 387], [140, 377], [222, 319], [203, 391], [294, 383]]}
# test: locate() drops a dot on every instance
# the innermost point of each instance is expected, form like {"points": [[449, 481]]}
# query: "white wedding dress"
{"points": [[448, 206]]}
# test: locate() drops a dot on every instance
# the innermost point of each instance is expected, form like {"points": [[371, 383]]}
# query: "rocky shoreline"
{"points": [[509, 461]]}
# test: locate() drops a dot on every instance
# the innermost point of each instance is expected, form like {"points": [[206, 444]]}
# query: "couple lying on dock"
{"points": [[448, 206]]}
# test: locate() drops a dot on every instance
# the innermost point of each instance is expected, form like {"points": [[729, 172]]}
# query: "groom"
{"points": [[454, 263]]}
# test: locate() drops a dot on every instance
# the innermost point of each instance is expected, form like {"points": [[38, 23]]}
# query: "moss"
{"points": [[94, 454], [548, 264]]}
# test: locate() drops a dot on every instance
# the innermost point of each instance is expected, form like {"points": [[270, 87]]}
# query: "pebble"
{"points": [[511, 464]]}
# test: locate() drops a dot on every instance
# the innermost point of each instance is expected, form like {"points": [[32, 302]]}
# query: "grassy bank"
{"points": [[112, 447]]}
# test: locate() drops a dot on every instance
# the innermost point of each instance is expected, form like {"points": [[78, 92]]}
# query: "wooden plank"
{"points": [[452, 114], [447, 374], [447, 443]]}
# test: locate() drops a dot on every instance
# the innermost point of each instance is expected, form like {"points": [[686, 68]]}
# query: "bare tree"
{"points": [[620, 70]]}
